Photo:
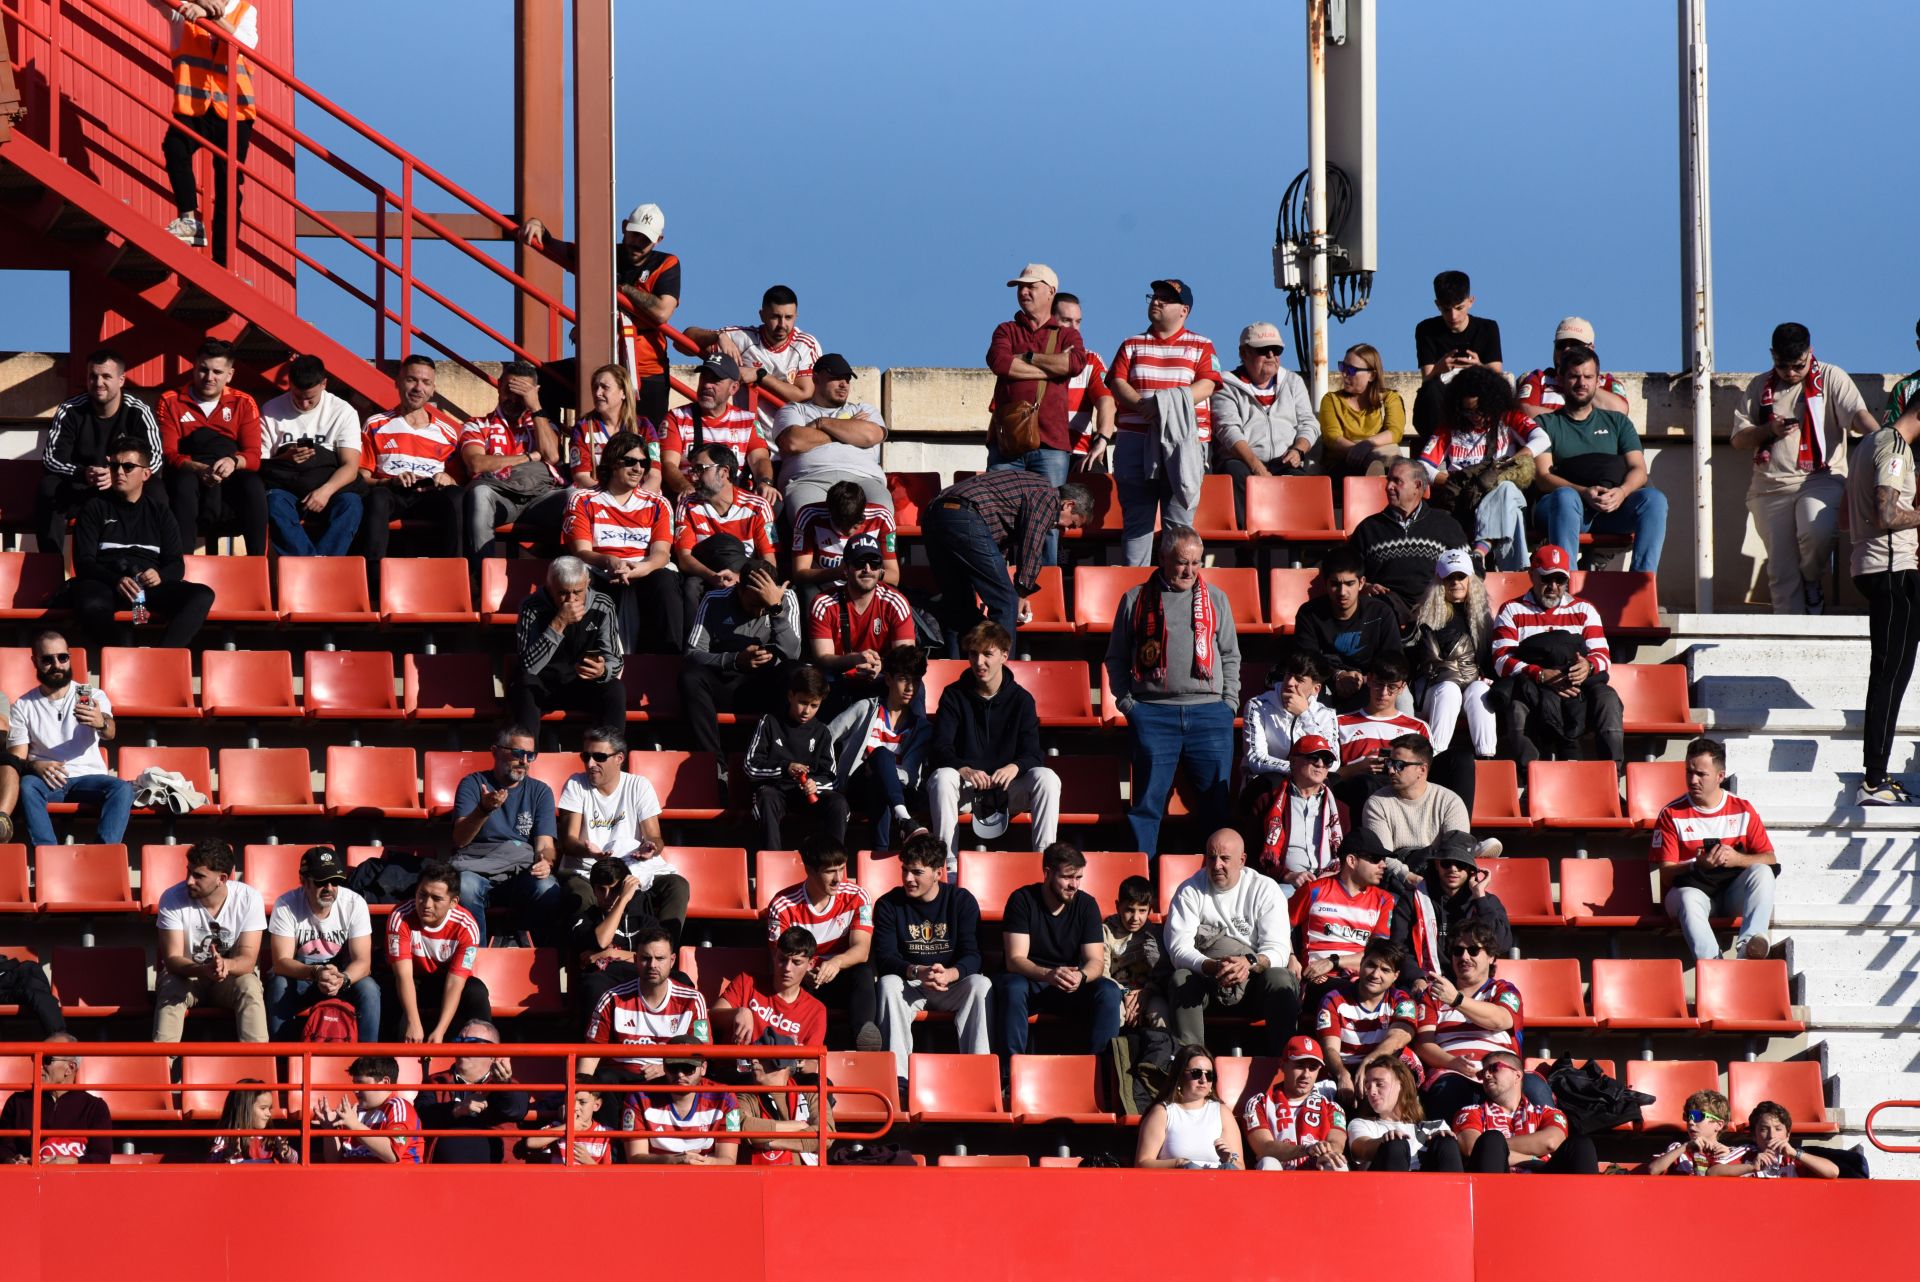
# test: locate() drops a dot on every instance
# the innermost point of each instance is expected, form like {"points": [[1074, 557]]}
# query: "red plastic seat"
{"points": [[16, 669], [1292, 509], [161, 867], [350, 685], [872, 1070], [1575, 794], [716, 880], [653, 688], [1628, 606], [331, 1080], [425, 590], [1213, 515], [444, 771], [1061, 1163], [202, 1096], [911, 492], [83, 879], [242, 592], [1496, 796], [1744, 997], [325, 589], [266, 781], [712, 969], [1795, 1085], [1287, 590], [1089, 791], [954, 1088], [153, 683], [1059, 687], [1056, 1088], [1525, 887], [15, 897], [448, 687], [1048, 603], [1670, 1082], [994, 1160], [247, 683], [1105, 522], [1360, 498], [773, 872], [1640, 992], [28, 581], [272, 870], [520, 981], [993, 875], [1097, 590], [1173, 870], [1650, 786], [148, 1093], [688, 783], [1653, 698], [192, 763], [504, 584], [878, 871], [1610, 894], [1240, 1073], [373, 781], [94, 983], [554, 769], [1549, 991], [1106, 869]]}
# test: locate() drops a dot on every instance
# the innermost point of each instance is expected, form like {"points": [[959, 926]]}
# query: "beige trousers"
{"points": [[241, 994], [1798, 527]]}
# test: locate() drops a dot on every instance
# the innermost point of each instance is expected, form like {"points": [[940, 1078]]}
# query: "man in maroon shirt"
{"points": [[67, 1108], [1034, 355]]}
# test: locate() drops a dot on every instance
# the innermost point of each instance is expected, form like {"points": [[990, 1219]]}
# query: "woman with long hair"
{"points": [[1361, 423], [625, 534], [1187, 1127], [612, 414], [1389, 1130], [250, 1111], [1452, 654]]}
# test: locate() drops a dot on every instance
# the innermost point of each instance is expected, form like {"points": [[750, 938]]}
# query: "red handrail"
{"points": [[1874, 1113], [306, 1052]]}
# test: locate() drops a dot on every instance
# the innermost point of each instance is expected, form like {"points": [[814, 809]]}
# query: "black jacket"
{"points": [[1462, 909], [778, 743], [113, 539], [985, 734], [1354, 644], [1400, 553]]}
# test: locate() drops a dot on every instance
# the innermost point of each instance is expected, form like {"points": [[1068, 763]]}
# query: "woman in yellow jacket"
{"points": [[1361, 424]]}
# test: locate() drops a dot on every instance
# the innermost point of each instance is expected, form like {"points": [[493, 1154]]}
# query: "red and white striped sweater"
{"points": [[1526, 617]]}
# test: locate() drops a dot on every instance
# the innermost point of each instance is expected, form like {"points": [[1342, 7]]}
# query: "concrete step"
{"points": [[1769, 751], [1828, 981], [1798, 791], [1763, 626], [1894, 1018], [1862, 1089], [1854, 1053], [1805, 886], [1839, 850]]}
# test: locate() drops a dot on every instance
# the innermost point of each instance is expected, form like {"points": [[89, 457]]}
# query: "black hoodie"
{"points": [[114, 539], [984, 734]]}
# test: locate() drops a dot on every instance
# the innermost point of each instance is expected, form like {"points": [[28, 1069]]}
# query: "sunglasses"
{"points": [[1351, 370], [632, 460], [598, 756], [60, 660], [1199, 1075], [1698, 1115], [519, 754], [683, 1068], [1323, 758], [1371, 857], [1465, 950], [1394, 765], [118, 466], [1266, 351]]}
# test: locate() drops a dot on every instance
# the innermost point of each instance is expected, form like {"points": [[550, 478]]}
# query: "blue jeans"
{"points": [[541, 901], [1015, 996], [1748, 896], [1565, 516], [966, 562], [290, 537], [113, 795], [288, 999], [1165, 735], [1052, 464], [1140, 499]]}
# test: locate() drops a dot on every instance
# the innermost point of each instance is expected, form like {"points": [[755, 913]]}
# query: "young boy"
{"points": [[881, 742], [791, 763], [591, 1147], [1366, 736], [1135, 959], [743, 1014], [1772, 1155], [838, 915], [1701, 1153], [1450, 341], [373, 1107], [1366, 1016]]}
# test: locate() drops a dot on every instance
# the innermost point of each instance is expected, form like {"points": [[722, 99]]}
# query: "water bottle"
{"points": [[141, 615]]}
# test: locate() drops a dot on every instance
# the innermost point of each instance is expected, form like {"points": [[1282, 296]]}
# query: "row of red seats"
{"points": [[1645, 994]]}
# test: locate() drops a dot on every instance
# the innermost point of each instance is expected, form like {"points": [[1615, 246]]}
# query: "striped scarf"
{"points": [[1813, 458], [1150, 631]]}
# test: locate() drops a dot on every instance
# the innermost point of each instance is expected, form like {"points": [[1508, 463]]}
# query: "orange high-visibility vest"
{"points": [[200, 72]]}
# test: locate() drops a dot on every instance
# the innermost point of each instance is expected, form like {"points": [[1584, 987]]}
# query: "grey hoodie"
{"points": [[1271, 430]]}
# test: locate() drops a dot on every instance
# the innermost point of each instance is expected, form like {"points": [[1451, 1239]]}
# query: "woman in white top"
{"points": [[1187, 1126], [1390, 1131]]}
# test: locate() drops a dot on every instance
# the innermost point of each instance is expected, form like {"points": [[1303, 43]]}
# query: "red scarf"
{"points": [[1150, 631], [1329, 833], [1813, 403]]}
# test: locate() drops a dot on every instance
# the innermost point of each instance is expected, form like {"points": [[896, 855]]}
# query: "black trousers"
{"points": [[852, 992], [1893, 629], [430, 994], [705, 692], [1525, 718], [773, 802], [437, 505], [1575, 1156], [241, 499], [1441, 1153], [652, 612], [57, 498], [187, 135], [180, 609], [24, 984], [533, 697], [650, 399]]}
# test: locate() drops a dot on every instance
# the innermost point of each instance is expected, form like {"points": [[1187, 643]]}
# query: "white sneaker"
{"points": [[187, 230], [1489, 848], [1889, 793]]}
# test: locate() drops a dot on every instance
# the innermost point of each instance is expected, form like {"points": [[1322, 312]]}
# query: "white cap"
{"points": [[1262, 334], [1574, 327], [648, 221], [1037, 274], [1453, 561]]}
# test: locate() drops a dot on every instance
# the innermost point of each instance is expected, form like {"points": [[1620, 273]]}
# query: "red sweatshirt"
{"points": [[236, 417]]}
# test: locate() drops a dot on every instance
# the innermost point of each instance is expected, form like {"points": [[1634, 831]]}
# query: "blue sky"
{"points": [[895, 163]]}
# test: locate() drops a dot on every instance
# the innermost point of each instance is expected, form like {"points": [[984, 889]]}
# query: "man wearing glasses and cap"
{"points": [[851, 627], [320, 936], [1033, 356], [1550, 658], [127, 556], [1263, 419], [1156, 468], [712, 418], [664, 1116]]}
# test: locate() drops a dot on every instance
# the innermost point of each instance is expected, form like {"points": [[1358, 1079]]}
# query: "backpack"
{"points": [[387, 879], [1593, 1101], [332, 1020]]}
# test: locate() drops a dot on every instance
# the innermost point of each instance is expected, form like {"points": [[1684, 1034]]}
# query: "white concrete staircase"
{"points": [[1787, 697]]}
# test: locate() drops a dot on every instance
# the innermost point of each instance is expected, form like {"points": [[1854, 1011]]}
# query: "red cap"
{"points": [[1551, 558], [1304, 1047], [1307, 745]]}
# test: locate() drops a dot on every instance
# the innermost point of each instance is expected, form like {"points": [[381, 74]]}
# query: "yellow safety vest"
{"points": [[200, 72]]}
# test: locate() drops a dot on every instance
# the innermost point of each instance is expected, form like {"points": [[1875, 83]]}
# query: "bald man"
{"points": [[1228, 939]]}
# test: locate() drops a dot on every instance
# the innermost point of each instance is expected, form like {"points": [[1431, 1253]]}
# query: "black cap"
{"points": [[323, 864], [863, 550], [832, 365], [719, 365], [1366, 843], [771, 1038]]}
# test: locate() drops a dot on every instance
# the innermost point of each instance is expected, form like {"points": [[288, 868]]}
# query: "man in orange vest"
{"points": [[201, 109]]}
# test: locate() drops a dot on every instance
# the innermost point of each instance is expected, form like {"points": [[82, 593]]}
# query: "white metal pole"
{"points": [[1317, 197], [1697, 240]]}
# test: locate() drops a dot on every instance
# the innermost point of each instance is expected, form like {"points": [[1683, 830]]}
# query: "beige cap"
{"points": [[1574, 327], [648, 221], [1262, 334], [1037, 274]]}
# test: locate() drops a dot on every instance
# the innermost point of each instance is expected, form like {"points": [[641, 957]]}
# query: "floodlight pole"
{"points": [[1317, 198], [1696, 240]]}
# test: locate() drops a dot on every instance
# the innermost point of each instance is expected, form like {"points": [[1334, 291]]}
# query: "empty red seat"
{"points": [[1640, 992], [1549, 991], [1241, 1073], [425, 590], [520, 981], [1287, 590], [554, 769], [137, 1088], [149, 682], [504, 584], [1174, 869], [1670, 1082], [444, 772], [878, 871], [448, 687], [247, 683], [1744, 997], [266, 781], [193, 764], [373, 781], [871, 1073], [1292, 509], [203, 1093], [1055, 1088], [95, 983], [1795, 1085], [1018, 1161], [716, 881], [1611, 894], [350, 685], [1650, 786], [1213, 516], [993, 875], [911, 492], [1575, 794], [1089, 791], [954, 1088], [687, 783], [1048, 604], [1653, 698], [1496, 796], [1525, 887], [242, 592], [325, 589], [773, 872], [83, 879], [1360, 498], [272, 870], [712, 969], [1097, 590], [161, 867], [28, 581], [15, 897]]}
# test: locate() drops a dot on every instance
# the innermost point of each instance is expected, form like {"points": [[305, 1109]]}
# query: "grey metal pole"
{"points": [[1696, 238], [1317, 197]]}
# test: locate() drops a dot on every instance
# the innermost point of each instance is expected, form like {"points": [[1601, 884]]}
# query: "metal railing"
{"points": [[307, 1091], [1873, 1115]]}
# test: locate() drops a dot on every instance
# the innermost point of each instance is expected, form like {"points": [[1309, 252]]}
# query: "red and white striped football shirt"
{"points": [[391, 446], [1338, 925], [732, 427], [1301, 1121], [848, 909], [1459, 1036], [1151, 364], [1085, 391], [887, 621], [1365, 736], [449, 947], [589, 438], [666, 1116], [627, 527], [1360, 1026], [1526, 617], [496, 435], [623, 1018], [1528, 1119], [1541, 387], [750, 520], [591, 1147], [815, 532], [1451, 448], [394, 1117], [1684, 827]]}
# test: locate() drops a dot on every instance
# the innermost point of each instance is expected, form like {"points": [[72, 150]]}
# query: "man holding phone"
{"points": [[570, 653], [1715, 859], [54, 735]]}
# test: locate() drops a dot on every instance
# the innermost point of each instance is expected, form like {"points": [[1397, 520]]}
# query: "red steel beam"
{"points": [[539, 162], [596, 301]]}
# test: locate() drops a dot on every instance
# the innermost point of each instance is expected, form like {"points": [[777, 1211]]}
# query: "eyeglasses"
{"points": [[697, 468], [519, 754], [598, 756], [60, 660], [1698, 1115], [1199, 1075], [118, 466], [1351, 370], [1394, 765], [1370, 857], [632, 460], [683, 1068]]}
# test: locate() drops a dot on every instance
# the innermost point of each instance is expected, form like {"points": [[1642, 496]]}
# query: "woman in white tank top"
{"points": [[1188, 1127]]}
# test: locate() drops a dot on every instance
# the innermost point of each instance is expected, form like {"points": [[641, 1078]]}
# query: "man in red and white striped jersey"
{"points": [[1090, 403], [775, 357], [851, 627], [432, 944], [1715, 858], [1167, 357], [839, 914], [713, 418], [1366, 735], [1509, 1132], [1292, 1125], [1465, 1018], [718, 526], [408, 458], [647, 1011], [1366, 1016], [1550, 658], [1337, 915]]}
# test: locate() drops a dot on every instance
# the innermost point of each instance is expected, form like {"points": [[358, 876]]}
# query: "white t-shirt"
{"points": [[834, 456], [1374, 1128], [47, 726], [331, 423], [206, 932], [611, 823], [320, 940]]}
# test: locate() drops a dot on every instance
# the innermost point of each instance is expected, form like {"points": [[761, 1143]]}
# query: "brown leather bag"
{"points": [[1015, 429]]}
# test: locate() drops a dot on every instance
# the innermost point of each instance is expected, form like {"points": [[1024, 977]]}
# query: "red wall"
{"points": [[155, 1224]]}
